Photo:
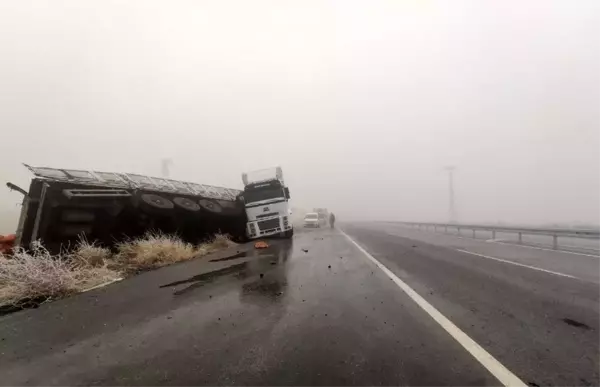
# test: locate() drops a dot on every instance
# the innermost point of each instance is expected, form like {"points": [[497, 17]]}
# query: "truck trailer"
{"points": [[63, 205]]}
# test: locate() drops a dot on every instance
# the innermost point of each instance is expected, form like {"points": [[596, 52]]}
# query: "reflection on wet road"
{"points": [[263, 272], [230, 257], [312, 311]]}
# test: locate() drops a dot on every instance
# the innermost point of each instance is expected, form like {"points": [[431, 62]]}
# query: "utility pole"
{"points": [[165, 164], [451, 206]]}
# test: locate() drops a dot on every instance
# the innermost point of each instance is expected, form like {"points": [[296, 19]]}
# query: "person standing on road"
{"points": [[331, 220]]}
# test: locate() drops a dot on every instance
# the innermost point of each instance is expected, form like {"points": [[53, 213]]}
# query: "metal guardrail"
{"points": [[555, 233]]}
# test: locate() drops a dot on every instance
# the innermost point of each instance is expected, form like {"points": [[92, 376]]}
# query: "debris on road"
{"points": [[576, 323], [305, 250], [261, 245]]}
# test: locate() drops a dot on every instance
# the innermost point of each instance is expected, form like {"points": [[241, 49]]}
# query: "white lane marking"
{"points": [[542, 248], [496, 368], [517, 264]]}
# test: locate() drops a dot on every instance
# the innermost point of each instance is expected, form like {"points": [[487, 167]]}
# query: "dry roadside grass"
{"points": [[89, 254], [218, 242], [153, 250], [37, 275], [156, 249]]}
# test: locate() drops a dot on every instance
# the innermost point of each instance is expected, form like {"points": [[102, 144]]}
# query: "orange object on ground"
{"points": [[7, 242], [261, 245]]}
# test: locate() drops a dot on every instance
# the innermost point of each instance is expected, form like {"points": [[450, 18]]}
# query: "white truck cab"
{"points": [[266, 200]]}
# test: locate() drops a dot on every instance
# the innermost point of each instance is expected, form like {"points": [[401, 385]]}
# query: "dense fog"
{"points": [[363, 103]]}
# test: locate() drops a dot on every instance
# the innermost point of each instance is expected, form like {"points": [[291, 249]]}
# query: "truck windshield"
{"points": [[263, 194]]}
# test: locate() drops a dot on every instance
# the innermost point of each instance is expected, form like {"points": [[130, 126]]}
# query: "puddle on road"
{"points": [[265, 267], [271, 284], [28, 303], [576, 324], [235, 256], [204, 278]]}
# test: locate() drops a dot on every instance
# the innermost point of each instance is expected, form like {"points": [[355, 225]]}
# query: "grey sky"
{"points": [[361, 102]]}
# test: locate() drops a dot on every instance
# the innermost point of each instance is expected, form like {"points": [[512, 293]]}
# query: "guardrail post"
{"points": [[474, 234], [555, 242], [458, 230], [520, 237], [493, 234]]}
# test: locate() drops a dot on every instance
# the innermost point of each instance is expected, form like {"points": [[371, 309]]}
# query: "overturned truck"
{"points": [[62, 205]]}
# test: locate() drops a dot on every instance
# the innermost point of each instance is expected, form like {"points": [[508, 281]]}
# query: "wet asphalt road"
{"points": [[315, 311]]}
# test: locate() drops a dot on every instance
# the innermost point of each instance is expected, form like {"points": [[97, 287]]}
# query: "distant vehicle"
{"points": [[312, 220], [323, 215], [266, 199]]}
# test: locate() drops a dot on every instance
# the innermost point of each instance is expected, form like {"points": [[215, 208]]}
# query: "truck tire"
{"points": [[156, 202], [186, 204], [210, 205], [288, 234]]}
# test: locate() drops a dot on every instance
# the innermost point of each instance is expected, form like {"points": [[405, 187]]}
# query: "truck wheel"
{"points": [[186, 204], [211, 206], [288, 234], [156, 202]]}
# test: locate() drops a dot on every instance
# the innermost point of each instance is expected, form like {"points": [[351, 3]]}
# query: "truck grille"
{"points": [[268, 224], [270, 214]]}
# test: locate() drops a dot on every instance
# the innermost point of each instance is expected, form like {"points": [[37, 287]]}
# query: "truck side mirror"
{"points": [[287, 192]]}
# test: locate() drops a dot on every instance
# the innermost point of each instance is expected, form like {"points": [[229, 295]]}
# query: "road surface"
{"points": [[327, 308]]}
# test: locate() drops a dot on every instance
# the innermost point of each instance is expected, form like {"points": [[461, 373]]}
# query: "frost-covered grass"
{"points": [[36, 275]]}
